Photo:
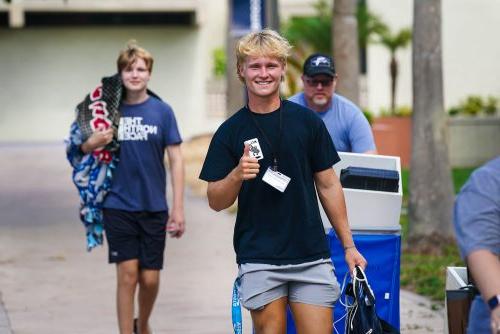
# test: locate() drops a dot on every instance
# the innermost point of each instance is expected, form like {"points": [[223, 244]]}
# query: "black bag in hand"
{"points": [[362, 317]]}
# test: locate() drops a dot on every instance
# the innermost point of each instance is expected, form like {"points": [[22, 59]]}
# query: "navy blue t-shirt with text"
{"points": [[274, 227], [139, 181]]}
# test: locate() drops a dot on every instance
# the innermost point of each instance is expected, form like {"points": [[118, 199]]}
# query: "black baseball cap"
{"points": [[319, 63]]}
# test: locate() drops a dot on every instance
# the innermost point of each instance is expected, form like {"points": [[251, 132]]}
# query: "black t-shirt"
{"points": [[274, 227]]}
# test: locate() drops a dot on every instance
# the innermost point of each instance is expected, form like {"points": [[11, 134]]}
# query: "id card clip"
{"points": [[276, 179]]}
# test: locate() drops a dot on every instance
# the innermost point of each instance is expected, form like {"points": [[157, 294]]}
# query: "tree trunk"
{"points": [[235, 91], [346, 48], [431, 189], [272, 15], [393, 67]]}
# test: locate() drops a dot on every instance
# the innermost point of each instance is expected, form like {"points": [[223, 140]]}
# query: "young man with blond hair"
{"points": [[135, 210], [270, 156]]}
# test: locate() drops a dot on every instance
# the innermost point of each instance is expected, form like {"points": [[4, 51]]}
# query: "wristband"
{"points": [[493, 302], [347, 247]]}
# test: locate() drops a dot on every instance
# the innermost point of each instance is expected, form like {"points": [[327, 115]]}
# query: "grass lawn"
{"points": [[460, 176], [426, 274]]}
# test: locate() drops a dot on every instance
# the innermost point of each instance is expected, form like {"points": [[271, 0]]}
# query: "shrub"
{"points": [[475, 105], [401, 111], [490, 107], [219, 62], [369, 115]]}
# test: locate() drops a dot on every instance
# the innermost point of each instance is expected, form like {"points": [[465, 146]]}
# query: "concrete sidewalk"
{"points": [[50, 284]]}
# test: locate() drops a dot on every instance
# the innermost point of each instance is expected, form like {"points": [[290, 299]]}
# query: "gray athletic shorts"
{"points": [[309, 283]]}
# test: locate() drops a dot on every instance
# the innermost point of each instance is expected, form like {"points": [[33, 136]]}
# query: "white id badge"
{"points": [[276, 179], [255, 150]]}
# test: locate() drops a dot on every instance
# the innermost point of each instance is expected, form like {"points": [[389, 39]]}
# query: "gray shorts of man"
{"points": [[309, 283]]}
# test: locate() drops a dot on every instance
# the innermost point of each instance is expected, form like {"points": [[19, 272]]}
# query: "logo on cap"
{"points": [[321, 60]]}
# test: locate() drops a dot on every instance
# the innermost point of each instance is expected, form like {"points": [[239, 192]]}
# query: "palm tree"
{"points": [[431, 196], [313, 31], [314, 34], [393, 42], [307, 35]]}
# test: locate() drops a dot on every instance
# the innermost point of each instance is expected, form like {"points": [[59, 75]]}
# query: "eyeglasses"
{"points": [[315, 82]]}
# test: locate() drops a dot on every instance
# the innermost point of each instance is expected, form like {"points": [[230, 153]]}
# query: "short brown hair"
{"points": [[267, 43], [130, 54]]}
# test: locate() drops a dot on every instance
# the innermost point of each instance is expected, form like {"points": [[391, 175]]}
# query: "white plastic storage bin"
{"points": [[369, 210]]}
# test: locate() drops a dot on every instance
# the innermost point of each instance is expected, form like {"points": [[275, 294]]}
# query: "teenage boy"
{"points": [[135, 209], [270, 155]]}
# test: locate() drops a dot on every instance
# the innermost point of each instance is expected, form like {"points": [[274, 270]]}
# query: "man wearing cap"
{"points": [[348, 127]]}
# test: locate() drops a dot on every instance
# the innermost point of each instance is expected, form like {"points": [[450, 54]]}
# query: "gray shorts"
{"points": [[310, 283]]}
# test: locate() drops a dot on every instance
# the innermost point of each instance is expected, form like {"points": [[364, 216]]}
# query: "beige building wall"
{"points": [[50, 70], [46, 71], [470, 51]]}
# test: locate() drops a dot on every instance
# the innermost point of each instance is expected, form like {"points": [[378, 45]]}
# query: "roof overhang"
{"points": [[17, 9]]}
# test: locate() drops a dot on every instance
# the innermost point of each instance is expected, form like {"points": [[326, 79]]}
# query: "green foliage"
{"points": [[459, 177], [490, 106], [369, 115], [394, 41], [219, 62], [426, 274], [307, 35], [405, 179], [475, 105], [401, 111], [453, 111], [369, 25], [314, 32]]}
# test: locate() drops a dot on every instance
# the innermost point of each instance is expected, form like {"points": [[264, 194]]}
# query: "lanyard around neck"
{"points": [[274, 149]]}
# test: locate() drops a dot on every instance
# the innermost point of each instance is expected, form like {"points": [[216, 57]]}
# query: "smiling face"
{"points": [[262, 76], [136, 76]]}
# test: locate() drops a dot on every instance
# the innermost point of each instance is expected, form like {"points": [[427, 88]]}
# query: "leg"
{"points": [[312, 298], [149, 281], [127, 276], [121, 233], [272, 318], [312, 318], [152, 247]]}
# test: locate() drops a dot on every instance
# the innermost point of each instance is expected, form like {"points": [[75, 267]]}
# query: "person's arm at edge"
{"points": [[332, 199], [176, 163], [221, 194], [476, 225], [484, 267]]}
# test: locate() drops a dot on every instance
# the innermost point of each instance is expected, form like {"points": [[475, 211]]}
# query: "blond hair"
{"points": [[130, 54], [264, 43]]}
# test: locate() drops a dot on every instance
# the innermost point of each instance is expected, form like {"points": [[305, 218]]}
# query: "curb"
{"points": [[4, 319]]}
